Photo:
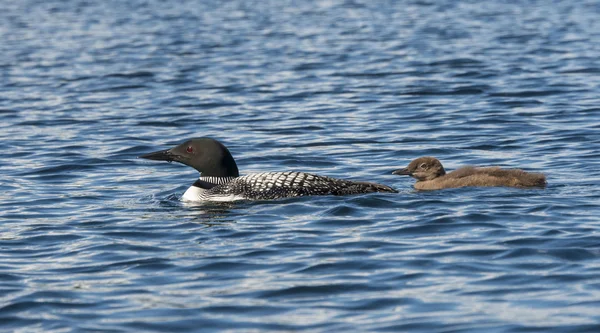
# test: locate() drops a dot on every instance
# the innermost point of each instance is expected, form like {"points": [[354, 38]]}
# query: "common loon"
{"points": [[220, 179], [430, 175]]}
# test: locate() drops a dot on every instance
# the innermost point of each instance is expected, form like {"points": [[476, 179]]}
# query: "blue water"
{"points": [[93, 239]]}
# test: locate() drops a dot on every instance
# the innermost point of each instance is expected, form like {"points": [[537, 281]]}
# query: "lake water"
{"points": [[94, 240]]}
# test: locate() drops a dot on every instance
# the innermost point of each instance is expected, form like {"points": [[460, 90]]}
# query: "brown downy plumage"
{"points": [[430, 175]]}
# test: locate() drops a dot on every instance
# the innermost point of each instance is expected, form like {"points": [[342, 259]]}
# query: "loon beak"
{"points": [[402, 172], [162, 155]]}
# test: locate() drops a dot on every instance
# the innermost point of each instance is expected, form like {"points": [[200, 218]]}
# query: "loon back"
{"points": [[484, 177], [276, 185]]}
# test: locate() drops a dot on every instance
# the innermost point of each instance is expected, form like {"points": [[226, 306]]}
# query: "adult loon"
{"points": [[220, 179], [430, 175]]}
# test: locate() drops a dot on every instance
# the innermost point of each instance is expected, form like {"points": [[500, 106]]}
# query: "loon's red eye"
{"points": [[189, 149]]}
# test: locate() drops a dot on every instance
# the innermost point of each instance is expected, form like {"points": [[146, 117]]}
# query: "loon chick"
{"points": [[220, 179], [430, 175]]}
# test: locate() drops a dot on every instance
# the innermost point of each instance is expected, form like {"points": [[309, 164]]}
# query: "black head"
{"points": [[423, 168], [210, 157]]}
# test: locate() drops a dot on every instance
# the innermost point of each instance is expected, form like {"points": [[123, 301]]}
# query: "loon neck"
{"points": [[223, 166], [208, 182]]}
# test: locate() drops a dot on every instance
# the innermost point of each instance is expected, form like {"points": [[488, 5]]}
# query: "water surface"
{"points": [[93, 239]]}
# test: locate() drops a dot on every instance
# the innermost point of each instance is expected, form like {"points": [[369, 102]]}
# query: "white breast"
{"points": [[198, 194]]}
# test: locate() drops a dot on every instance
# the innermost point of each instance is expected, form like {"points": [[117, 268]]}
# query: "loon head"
{"points": [[210, 157], [423, 168]]}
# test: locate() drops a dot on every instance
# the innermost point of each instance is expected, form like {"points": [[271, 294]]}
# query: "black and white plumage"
{"points": [[275, 185], [220, 180]]}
